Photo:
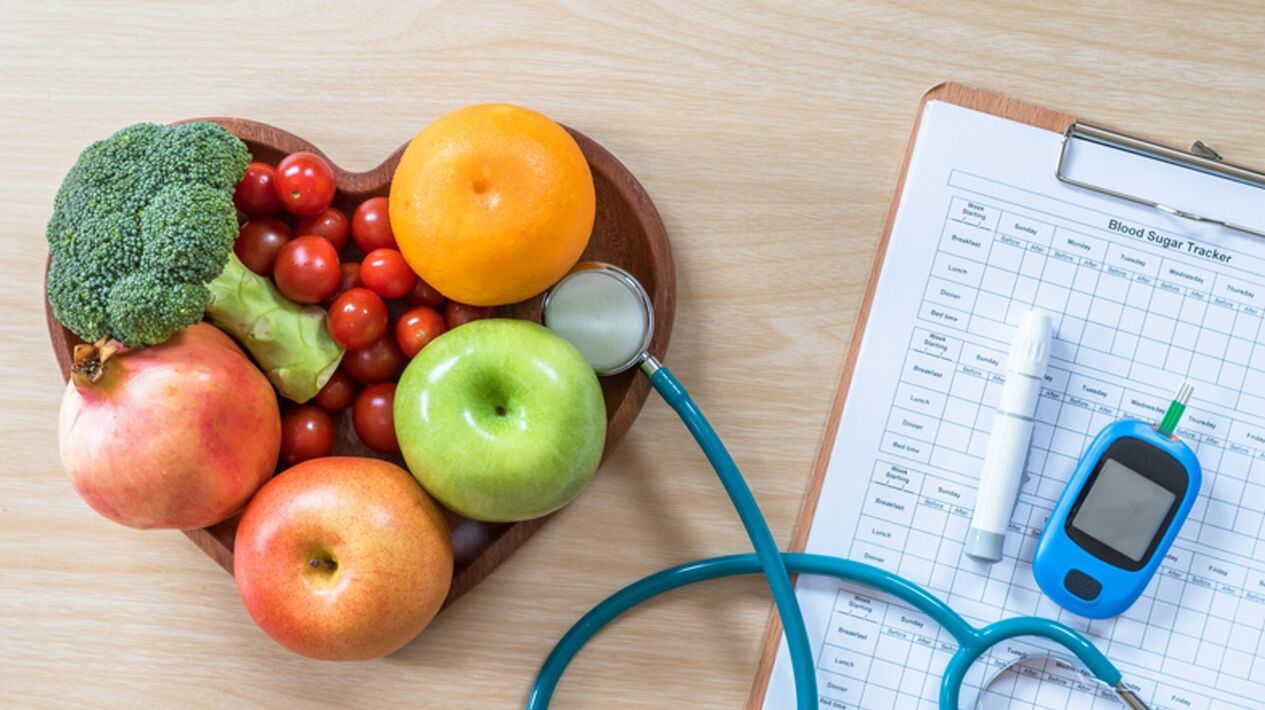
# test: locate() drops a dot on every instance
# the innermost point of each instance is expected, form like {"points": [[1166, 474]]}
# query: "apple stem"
{"points": [[318, 563]]}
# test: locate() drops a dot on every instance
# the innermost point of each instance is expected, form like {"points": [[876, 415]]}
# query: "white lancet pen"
{"points": [[1007, 451]]}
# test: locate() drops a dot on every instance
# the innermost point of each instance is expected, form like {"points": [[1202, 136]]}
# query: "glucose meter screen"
{"points": [[1123, 509]]}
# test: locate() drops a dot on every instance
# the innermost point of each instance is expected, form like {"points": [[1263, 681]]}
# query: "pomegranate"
{"points": [[177, 435]]}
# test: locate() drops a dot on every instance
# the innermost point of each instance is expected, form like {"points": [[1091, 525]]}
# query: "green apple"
{"points": [[501, 420]]}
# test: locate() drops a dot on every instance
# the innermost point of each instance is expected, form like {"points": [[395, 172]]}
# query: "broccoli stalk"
{"points": [[290, 341], [141, 240]]}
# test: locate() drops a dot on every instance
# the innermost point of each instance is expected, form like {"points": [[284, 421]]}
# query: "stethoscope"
{"points": [[607, 315]]}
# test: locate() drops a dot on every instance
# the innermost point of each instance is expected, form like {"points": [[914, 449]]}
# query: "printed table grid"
{"points": [[925, 506], [1203, 326], [923, 425], [1121, 313]]}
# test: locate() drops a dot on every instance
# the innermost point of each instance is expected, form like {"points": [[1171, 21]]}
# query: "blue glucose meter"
{"points": [[1119, 514]]}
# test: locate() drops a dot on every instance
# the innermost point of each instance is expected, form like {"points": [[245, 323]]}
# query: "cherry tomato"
{"points": [[307, 432], [386, 273], [417, 327], [337, 394], [357, 318], [423, 294], [380, 362], [304, 184], [307, 269], [371, 225], [349, 278], [374, 418], [258, 243], [456, 314], [331, 224], [255, 194]]}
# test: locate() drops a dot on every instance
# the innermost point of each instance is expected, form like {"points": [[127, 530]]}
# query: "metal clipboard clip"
{"points": [[1200, 157]]}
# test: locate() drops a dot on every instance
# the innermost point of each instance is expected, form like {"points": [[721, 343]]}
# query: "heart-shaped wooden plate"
{"points": [[627, 233]]}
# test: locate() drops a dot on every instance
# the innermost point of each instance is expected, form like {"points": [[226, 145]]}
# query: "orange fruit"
{"points": [[492, 204]]}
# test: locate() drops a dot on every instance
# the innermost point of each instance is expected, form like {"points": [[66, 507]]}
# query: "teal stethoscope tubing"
{"points": [[776, 566], [767, 552], [972, 642]]}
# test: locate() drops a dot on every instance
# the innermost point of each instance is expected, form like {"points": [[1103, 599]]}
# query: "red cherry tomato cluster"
{"points": [[378, 309]]}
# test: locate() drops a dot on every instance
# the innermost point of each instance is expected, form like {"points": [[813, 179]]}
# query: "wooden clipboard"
{"points": [[960, 95]]}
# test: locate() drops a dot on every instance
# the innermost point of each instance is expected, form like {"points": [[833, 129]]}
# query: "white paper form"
{"points": [[1141, 302]]}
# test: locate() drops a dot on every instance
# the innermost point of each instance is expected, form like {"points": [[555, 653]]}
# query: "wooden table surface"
{"points": [[768, 135]]}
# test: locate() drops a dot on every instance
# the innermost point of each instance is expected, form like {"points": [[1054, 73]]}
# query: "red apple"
{"points": [[343, 558]]}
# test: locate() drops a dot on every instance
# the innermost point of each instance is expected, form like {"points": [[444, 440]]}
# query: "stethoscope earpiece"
{"points": [[1038, 665]]}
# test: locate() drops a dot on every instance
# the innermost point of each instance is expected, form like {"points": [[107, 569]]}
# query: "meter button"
{"points": [[1082, 585]]}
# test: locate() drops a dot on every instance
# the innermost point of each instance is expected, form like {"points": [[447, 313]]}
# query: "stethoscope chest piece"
{"points": [[605, 313]]}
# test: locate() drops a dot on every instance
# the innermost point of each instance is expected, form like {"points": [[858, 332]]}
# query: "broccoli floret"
{"points": [[149, 201], [188, 231], [79, 308], [144, 303], [141, 246], [202, 154]]}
